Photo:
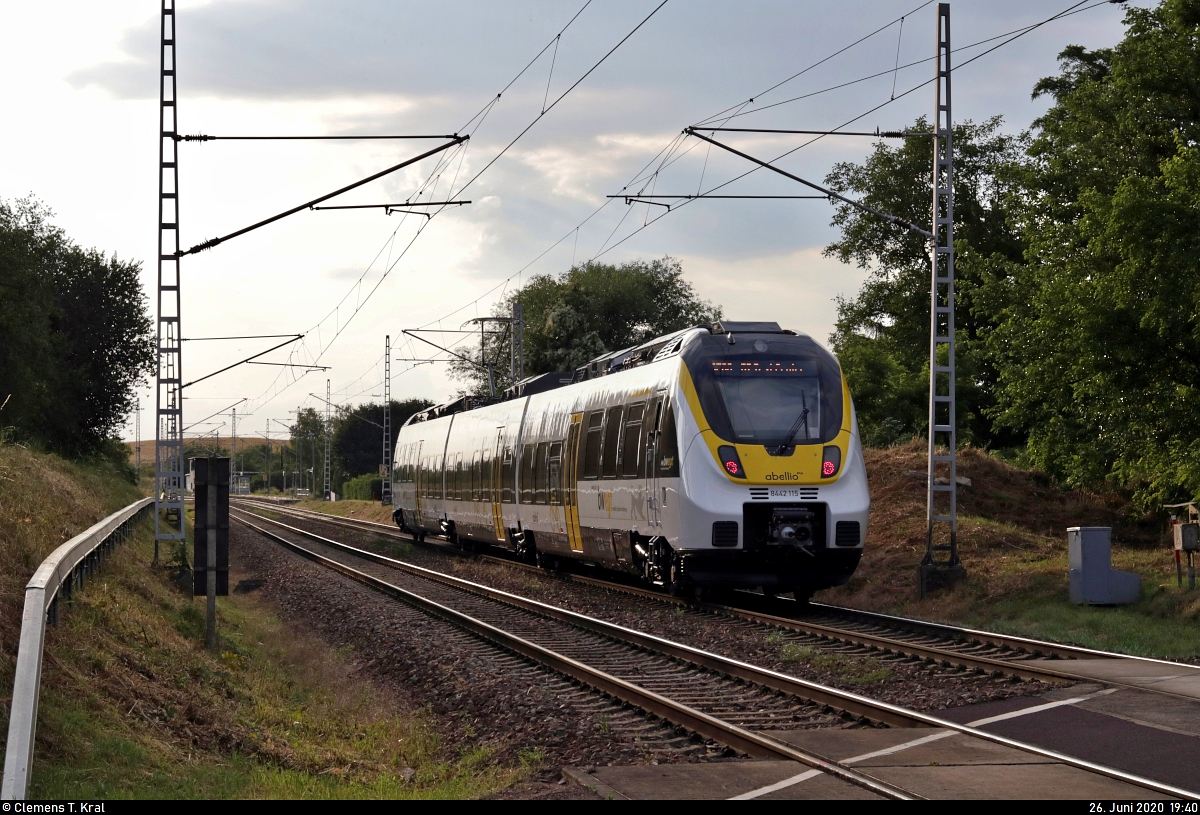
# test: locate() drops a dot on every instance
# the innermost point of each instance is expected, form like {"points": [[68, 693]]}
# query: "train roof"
{"points": [[611, 363]]}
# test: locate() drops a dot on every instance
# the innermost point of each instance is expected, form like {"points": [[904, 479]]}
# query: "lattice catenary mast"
{"points": [[941, 563], [385, 492], [168, 448], [328, 433]]}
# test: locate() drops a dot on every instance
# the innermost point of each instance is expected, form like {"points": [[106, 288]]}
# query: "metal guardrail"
{"points": [[66, 569]]}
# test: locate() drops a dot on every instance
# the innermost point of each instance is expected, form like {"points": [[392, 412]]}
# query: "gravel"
{"points": [[916, 685], [479, 695]]}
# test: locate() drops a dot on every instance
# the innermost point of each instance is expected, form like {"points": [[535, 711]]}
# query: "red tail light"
{"points": [[831, 462], [730, 461]]}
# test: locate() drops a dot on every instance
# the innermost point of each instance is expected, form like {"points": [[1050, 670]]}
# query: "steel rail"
{"points": [[1000, 640], [705, 725], [69, 565], [1024, 670], [760, 675], [817, 694], [902, 648]]}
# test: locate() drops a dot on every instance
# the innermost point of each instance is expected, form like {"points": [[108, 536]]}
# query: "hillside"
{"points": [[223, 444]]}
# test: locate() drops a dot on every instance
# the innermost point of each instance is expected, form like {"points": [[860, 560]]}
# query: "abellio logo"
{"points": [[783, 477]]}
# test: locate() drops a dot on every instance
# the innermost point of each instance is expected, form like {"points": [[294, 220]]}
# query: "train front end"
{"points": [[773, 485]]}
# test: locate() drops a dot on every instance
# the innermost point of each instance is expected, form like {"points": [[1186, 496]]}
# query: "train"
{"points": [[713, 458]]}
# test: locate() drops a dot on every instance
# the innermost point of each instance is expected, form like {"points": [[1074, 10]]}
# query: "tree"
{"points": [[308, 440], [587, 311], [1099, 348], [75, 335], [882, 334], [358, 437]]}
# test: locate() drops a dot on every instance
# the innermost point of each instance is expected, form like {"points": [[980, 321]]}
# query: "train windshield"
{"points": [[770, 400], [759, 389]]}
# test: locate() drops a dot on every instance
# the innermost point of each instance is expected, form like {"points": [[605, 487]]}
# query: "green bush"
{"points": [[363, 488]]}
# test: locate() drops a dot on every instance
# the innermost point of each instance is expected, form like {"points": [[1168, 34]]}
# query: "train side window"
{"points": [[668, 444], [507, 477], [527, 474], [539, 473], [631, 441], [555, 472], [612, 432], [591, 446]]}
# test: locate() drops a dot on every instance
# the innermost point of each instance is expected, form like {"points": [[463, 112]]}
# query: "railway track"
{"points": [[846, 630], [715, 697], [720, 708]]}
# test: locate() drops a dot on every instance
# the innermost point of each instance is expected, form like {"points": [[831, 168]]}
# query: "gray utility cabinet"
{"points": [[1093, 579]]}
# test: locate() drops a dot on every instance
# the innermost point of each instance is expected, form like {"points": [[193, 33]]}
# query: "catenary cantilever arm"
{"points": [[909, 225], [209, 244]]}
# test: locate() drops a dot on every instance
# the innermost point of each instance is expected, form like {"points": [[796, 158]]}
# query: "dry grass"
{"points": [[133, 706], [44, 502], [359, 510]]}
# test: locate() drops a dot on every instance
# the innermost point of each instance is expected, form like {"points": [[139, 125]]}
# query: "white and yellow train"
{"points": [[720, 457]]}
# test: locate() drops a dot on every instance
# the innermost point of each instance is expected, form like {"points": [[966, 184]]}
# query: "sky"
{"points": [[78, 81]]}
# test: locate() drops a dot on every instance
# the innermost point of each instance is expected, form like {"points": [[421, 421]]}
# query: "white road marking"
{"points": [[804, 776], [787, 782]]}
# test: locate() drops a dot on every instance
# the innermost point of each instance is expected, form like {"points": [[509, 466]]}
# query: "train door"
{"points": [[571, 485], [497, 509], [418, 483], [650, 460]]}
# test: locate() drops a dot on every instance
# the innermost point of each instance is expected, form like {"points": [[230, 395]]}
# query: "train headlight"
{"points": [[831, 461], [730, 461]]}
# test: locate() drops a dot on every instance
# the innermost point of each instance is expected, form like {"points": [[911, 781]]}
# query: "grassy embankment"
{"points": [[1012, 539], [359, 510], [132, 706]]}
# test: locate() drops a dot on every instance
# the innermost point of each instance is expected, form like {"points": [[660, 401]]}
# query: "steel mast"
{"points": [[385, 490], [941, 564], [328, 433], [168, 447]]}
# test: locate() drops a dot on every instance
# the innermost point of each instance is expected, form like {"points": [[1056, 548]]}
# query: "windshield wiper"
{"points": [[802, 419]]}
